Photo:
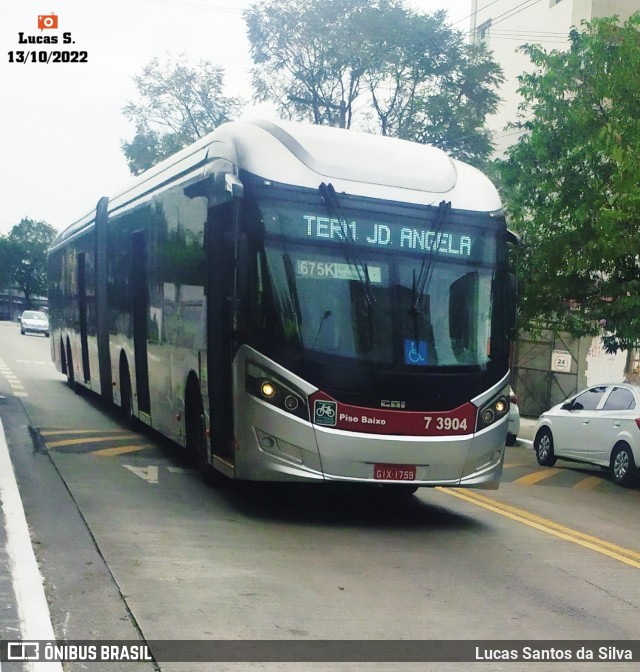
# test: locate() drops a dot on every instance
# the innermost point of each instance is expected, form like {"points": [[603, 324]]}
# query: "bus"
{"points": [[294, 302]]}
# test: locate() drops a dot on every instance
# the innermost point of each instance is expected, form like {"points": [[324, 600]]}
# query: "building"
{"points": [[13, 303], [505, 25]]}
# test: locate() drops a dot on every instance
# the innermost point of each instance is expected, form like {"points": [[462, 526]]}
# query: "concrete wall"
{"points": [[601, 367]]}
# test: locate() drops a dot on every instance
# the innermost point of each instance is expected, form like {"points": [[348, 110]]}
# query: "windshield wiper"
{"points": [[333, 207], [421, 285], [293, 288], [327, 314]]}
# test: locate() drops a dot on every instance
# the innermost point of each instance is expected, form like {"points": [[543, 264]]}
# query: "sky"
{"points": [[62, 125]]}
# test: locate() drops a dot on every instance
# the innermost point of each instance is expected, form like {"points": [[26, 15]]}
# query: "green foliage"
{"points": [[376, 65], [572, 183], [23, 257], [179, 103]]}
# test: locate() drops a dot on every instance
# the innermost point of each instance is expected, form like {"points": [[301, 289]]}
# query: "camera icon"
{"points": [[47, 21], [23, 651]]}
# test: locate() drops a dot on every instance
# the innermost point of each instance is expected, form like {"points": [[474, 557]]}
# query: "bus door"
{"points": [[140, 322], [102, 304], [219, 247], [82, 308]]}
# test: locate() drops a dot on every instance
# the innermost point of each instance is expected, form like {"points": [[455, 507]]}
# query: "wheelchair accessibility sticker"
{"points": [[415, 352], [325, 412]]}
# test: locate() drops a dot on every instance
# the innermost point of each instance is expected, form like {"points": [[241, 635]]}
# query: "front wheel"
{"points": [[197, 446], [126, 398], [543, 446], [623, 466], [511, 440], [71, 380]]}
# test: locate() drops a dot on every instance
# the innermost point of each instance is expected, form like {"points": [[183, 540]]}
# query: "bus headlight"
{"points": [[267, 389], [272, 389], [493, 411]]}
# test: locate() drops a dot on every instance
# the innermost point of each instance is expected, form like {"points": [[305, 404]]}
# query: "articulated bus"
{"points": [[293, 302]]}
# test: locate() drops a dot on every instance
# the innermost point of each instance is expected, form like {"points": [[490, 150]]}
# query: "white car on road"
{"points": [[600, 425], [34, 322]]}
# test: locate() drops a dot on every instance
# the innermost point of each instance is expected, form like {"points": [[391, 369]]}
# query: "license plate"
{"points": [[394, 472]]}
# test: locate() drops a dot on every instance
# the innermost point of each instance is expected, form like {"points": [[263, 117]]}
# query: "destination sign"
{"points": [[403, 237], [452, 238]]}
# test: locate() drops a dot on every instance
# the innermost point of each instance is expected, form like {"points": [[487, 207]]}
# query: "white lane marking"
{"points": [[33, 610], [14, 382], [149, 474]]}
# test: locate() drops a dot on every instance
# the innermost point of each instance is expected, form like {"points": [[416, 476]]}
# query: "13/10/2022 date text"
{"points": [[48, 57]]}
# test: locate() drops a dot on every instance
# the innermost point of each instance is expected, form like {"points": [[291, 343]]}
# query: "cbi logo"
{"points": [[47, 21], [389, 403]]}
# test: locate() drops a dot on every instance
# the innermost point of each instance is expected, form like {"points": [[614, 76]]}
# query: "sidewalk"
{"points": [[527, 428], [25, 614]]}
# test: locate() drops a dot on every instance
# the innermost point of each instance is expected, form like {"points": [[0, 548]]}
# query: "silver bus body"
{"points": [[216, 301]]}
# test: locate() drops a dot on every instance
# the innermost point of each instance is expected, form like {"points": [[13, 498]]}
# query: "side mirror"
{"points": [[233, 185]]}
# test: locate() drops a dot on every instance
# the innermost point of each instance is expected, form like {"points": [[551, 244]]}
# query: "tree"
{"points": [[376, 65], [24, 254], [573, 183], [178, 104], [304, 60]]}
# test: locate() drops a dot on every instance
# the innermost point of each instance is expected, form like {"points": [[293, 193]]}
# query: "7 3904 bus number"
{"points": [[445, 424]]}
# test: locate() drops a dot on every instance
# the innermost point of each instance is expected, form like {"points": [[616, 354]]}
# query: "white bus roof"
{"points": [[358, 163], [300, 154]]}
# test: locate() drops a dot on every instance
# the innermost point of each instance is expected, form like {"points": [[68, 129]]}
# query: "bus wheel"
{"points": [[126, 397], [197, 442], [71, 382], [63, 359], [197, 445]]}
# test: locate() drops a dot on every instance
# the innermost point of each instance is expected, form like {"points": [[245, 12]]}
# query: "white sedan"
{"points": [[34, 322], [600, 425]]}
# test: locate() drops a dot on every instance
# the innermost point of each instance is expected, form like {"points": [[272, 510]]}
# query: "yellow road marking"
{"points": [[588, 483], [109, 452], [624, 555], [513, 465], [537, 476], [55, 432], [77, 442]]}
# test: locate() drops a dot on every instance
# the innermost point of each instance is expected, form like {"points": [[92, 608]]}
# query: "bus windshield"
{"points": [[397, 290]]}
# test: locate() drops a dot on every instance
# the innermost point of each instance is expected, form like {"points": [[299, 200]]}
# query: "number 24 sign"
{"points": [[561, 361]]}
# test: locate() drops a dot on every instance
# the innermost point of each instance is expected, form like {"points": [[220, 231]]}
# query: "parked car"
{"points": [[599, 425], [513, 428], [34, 322]]}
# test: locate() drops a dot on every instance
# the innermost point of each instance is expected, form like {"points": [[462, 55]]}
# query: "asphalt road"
{"points": [[132, 545]]}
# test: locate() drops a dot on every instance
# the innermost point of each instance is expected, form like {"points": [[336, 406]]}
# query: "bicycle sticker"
{"points": [[325, 412], [415, 352]]}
